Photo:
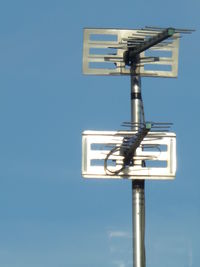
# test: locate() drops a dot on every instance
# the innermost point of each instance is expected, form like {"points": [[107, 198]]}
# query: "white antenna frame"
{"points": [[103, 51], [92, 155]]}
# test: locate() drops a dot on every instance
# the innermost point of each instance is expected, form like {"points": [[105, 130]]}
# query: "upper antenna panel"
{"points": [[147, 52]]}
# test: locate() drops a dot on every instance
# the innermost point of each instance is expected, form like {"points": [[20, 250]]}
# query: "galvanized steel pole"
{"points": [[138, 186]]}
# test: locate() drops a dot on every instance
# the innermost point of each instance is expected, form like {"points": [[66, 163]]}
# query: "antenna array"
{"points": [[147, 150]]}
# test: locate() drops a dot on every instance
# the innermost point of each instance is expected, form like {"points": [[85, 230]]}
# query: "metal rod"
{"points": [[138, 202], [138, 186]]}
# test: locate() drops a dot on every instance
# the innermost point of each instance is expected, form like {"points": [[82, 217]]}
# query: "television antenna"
{"points": [[147, 150]]}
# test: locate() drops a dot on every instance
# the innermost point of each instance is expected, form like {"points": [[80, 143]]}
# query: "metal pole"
{"points": [[138, 186]]}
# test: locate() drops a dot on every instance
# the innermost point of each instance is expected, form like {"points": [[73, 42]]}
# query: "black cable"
{"points": [[113, 150]]}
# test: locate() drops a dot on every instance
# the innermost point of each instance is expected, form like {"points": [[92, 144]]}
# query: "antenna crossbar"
{"points": [[131, 55]]}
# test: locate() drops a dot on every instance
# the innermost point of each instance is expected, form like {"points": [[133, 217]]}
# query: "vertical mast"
{"points": [[138, 186]]}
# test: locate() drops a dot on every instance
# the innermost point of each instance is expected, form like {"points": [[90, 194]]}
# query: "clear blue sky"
{"points": [[49, 215]]}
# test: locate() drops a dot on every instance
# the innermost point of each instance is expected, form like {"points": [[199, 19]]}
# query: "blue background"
{"points": [[49, 215]]}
